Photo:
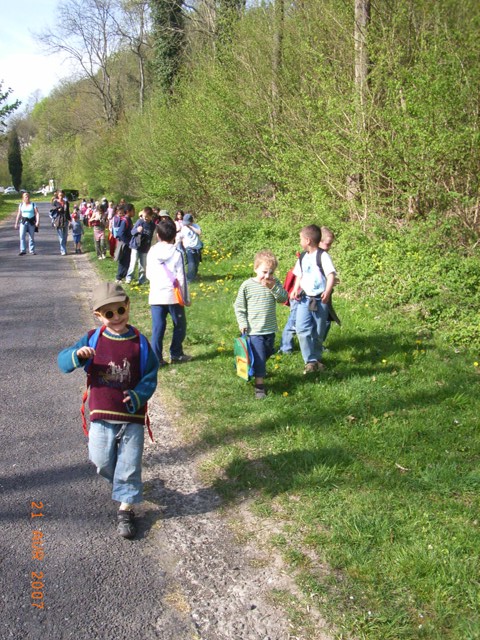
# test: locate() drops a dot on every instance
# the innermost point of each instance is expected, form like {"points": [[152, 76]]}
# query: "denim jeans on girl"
{"points": [[159, 324], [116, 450], [27, 227], [62, 233]]}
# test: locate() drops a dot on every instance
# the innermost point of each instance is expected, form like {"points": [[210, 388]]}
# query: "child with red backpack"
{"points": [[122, 375]]}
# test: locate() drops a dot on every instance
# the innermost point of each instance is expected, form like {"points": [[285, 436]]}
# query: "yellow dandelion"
{"points": [[475, 364], [285, 394]]}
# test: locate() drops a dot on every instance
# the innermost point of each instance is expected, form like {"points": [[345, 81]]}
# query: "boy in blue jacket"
{"points": [[120, 386]]}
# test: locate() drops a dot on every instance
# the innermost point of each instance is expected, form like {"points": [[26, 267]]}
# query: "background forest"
{"points": [[359, 115]]}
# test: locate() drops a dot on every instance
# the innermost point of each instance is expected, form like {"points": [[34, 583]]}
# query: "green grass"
{"points": [[9, 204], [370, 470]]}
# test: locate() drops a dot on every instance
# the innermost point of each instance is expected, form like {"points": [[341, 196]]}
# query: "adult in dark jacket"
{"points": [[60, 214]]}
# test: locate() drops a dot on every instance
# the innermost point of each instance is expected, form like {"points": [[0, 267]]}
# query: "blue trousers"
{"points": [[27, 228], [289, 331], [159, 324], [193, 260], [262, 347], [62, 234], [311, 329], [116, 450]]}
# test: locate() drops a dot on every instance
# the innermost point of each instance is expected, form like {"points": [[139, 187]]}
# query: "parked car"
{"points": [[10, 190]]}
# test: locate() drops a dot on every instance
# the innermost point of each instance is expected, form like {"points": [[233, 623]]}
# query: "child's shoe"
{"points": [[126, 524], [311, 367], [260, 392], [180, 359]]}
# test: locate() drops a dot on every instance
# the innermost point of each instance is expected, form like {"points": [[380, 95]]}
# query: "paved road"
{"points": [[91, 583]]}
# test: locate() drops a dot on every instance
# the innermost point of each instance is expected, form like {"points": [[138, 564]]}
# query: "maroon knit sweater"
{"points": [[115, 368]]}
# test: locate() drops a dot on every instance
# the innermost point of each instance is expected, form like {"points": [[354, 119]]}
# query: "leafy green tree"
{"points": [[6, 109], [15, 165]]}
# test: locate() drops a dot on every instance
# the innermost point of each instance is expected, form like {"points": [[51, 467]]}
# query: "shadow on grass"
{"points": [[281, 472]]}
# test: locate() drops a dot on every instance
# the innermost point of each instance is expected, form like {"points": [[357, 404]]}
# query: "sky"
{"points": [[24, 67]]}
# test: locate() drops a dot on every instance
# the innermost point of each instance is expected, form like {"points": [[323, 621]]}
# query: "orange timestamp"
{"points": [[37, 582]]}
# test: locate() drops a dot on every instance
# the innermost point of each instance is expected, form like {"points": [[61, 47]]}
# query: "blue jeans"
{"points": [[62, 239], [262, 347], [142, 264], [116, 450], [28, 227], [193, 260], [159, 323], [289, 331], [311, 328]]}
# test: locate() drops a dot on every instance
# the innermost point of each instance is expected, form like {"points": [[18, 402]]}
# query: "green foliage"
{"points": [[5, 108], [418, 269]]}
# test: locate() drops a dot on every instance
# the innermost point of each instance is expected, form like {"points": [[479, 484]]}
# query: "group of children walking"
{"points": [[122, 365]]}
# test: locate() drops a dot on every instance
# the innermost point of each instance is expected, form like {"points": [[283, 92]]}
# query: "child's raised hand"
{"points": [[85, 353], [268, 281]]}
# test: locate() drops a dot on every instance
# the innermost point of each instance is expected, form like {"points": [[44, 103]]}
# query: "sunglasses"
{"points": [[109, 314]]}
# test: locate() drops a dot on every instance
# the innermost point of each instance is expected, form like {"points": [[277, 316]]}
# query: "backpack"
{"points": [[243, 355], [92, 342], [116, 224], [319, 260], [60, 220]]}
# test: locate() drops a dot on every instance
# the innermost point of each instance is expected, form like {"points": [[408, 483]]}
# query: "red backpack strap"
{"points": [[147, 423], [82, 411]]}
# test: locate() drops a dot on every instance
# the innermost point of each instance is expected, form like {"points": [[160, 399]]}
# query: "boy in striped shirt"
{"points": [[257, 315]]}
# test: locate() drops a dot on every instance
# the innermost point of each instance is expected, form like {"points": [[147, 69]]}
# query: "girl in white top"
{"points": [[29, 219]]}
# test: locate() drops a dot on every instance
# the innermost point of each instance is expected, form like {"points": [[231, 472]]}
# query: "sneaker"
{"points": [[260, 393], [32, 253], [118, 281], [320, 366], [180, 359], [125, 524], [22, 253], [162, 363], [311, 367]]}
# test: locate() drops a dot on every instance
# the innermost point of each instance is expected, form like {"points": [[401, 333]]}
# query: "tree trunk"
{"points": [[362, 20], [277, 58]]}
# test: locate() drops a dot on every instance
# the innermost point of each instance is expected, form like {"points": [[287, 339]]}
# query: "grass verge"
{"points": [[369, 469]]}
